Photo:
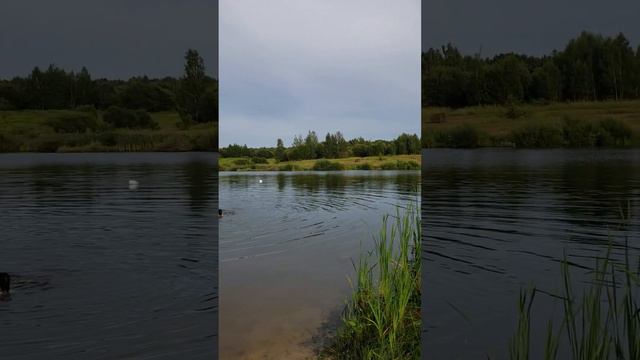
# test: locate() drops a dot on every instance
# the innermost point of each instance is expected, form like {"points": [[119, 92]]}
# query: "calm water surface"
{"points": [[286, 249], [495, 221], [101, 271]]}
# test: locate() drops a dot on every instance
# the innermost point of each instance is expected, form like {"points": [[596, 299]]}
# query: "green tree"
{"points": [[209, 103], [509, 80], [192, 88], [311, 145], [85, 88], [636, 82], [546, 82], [57, 88], [35, 89], [407, 144], [280, 153], [590, 67]]}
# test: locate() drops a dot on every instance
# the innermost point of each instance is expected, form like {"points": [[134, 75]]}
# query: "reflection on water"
{"points": [[498, 220], [101, 271], [286, 249]]}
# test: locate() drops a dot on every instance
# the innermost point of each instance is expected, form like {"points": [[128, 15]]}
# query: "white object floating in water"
{"points": [[260, 181], [133, 184]]}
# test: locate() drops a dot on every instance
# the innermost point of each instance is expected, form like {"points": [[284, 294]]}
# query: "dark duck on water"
{"points": [[5, 285]]}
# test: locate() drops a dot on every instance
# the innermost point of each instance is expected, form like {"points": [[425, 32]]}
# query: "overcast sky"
{"points": [[289, 66], [532, 27], [113, 38]]}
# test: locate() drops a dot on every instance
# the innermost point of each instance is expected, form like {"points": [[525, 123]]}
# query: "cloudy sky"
{"points": [[289, 66], [113, 38], [532, 27]]}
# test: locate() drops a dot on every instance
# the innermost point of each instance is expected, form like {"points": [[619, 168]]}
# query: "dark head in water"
{"points": [[5, 283], [220, 213]]}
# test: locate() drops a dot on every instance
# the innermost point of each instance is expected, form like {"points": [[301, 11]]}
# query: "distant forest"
{"points": [[334, 146], [590, 68], [194, 96]]}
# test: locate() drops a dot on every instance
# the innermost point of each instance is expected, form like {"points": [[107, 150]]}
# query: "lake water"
{"points": [[286, 249], [102, 271], [496, 221]]}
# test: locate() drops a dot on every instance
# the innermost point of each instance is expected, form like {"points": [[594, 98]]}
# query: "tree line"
{"points": [[591, 67], [334, 146], [194, 95]]}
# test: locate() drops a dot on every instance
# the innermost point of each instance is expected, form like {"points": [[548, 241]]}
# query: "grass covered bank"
{"points": [[575, 125], [86, 131], [382, 318], [390, 162]]}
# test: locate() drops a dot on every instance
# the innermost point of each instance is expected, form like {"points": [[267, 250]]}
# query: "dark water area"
{"points": [[287, 245], [104, 269], [496, 221]]}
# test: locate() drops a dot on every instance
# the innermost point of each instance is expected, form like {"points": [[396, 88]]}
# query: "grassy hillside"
{"points": [[32, 131], [563, 125], [395, 162]]}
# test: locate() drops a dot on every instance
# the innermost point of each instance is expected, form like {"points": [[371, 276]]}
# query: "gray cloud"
{"points": [[287, 67], [115, 39], [532, 27]]}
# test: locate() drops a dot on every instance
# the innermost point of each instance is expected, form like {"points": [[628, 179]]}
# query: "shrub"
{"points": [[73, 122], [205, 142], [45, 143], [604, 133], [364, 166], [389, 166], [400, 165], [172, 142], [407, 165], [259, 160], [264, 153], [464, 136], [184, 124], [428, 140], [538, 135], [580, 133], [242, 162], [125, 118], [89, 109], [619, 133], [5, 104], [118, 117], [326, 165], [143, 120], [288, 167], [438, 118], [514, 112], [8, 144], [108, 139]]}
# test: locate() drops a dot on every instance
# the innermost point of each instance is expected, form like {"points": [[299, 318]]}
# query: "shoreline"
{"points": [[390, 162], [33, 131], [603, 124]]}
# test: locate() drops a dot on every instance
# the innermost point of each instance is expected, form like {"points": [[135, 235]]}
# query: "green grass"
{"points": [[483, 126], [30, 131], [391, 162], [602, 322], [382, 319]]}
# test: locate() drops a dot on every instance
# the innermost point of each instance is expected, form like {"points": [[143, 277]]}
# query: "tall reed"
{"points": [[602, 323], [382, 318]]}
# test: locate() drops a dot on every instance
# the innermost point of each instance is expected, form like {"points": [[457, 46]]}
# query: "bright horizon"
{"points": [[288, 140]]}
